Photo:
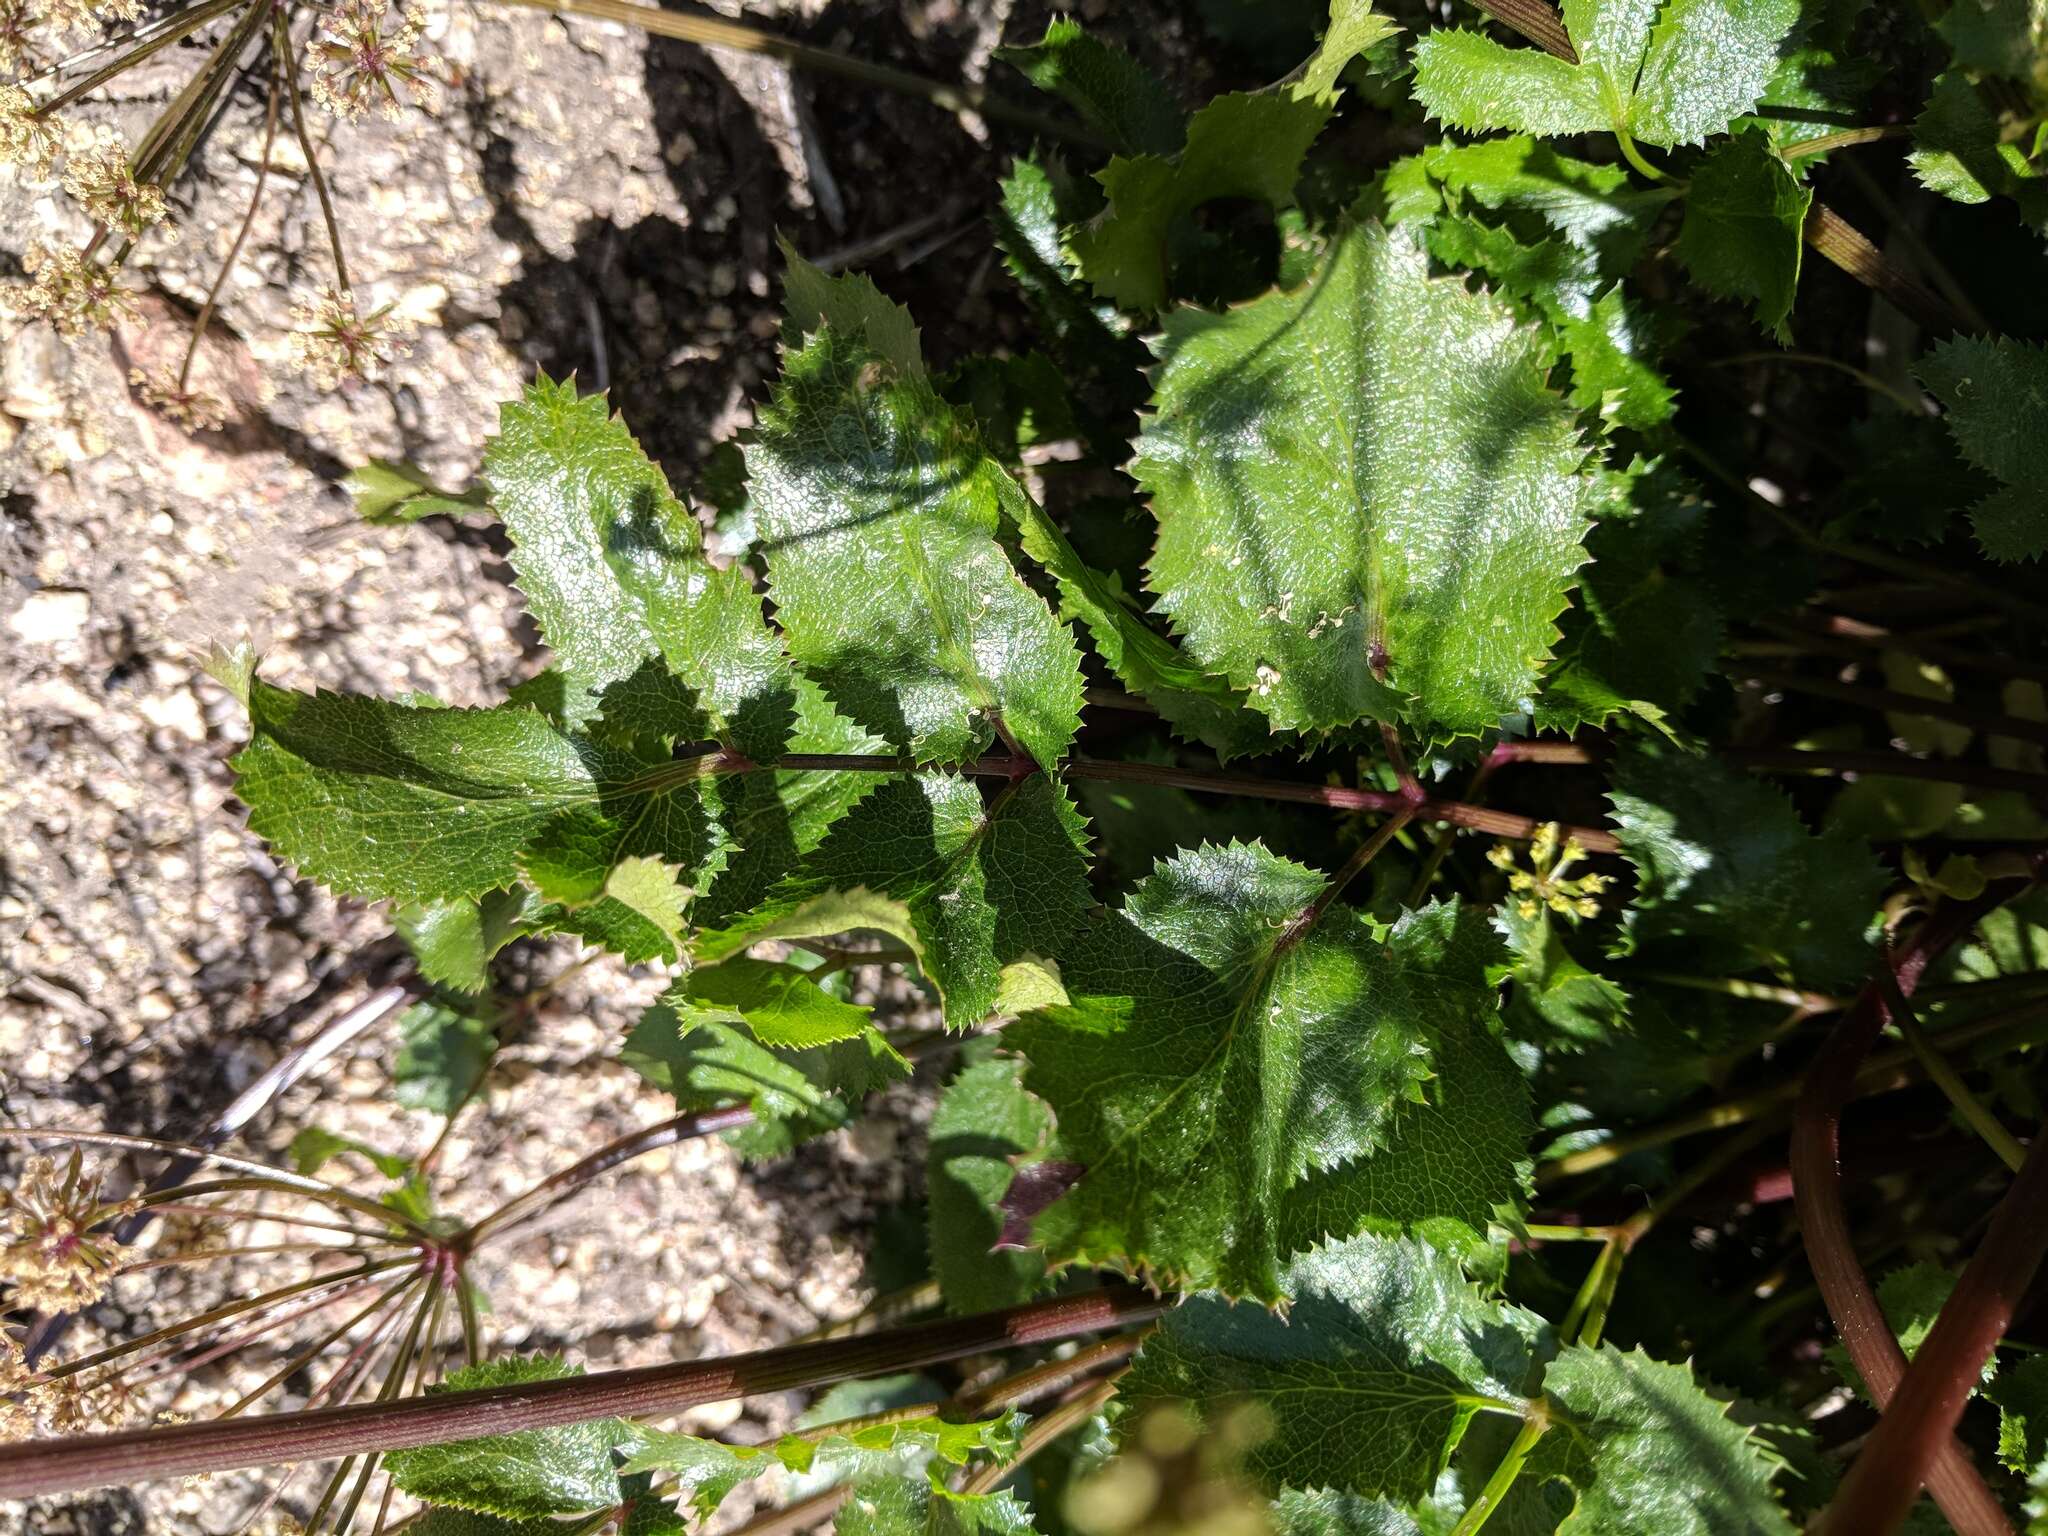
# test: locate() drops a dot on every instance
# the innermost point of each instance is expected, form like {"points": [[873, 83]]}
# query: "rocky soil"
{"points": [[577, 199]]}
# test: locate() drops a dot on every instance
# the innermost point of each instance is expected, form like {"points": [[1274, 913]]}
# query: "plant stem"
{"points": [[1454, 812], [227, 266], [716, 32], [1847, 138], [93, 1461], [1490, 1498], [1634, 157], [163, 34], [1892, 701], [1919, 1420], [1882, 1073], [1949, 1081], [1914, 405], [1841, 635], [1823, 1218], [281, 41], [1024, 1385], [1064, 1419], [1749, 991], [1889, 764], [1367, 851], [701, 1122]]}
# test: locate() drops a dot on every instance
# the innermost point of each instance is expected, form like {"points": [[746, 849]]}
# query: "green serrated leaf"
{"points": [[852, 305], [985, 1124], [710, 1053], [442, 1053], [1623, 1415], [1384, 1356], [529, 1472], [973, 887], [385, 491], [1729, 879], [1744, 216], [1198, 706], [879, 512], [779, 1003], [708, 1470], [2022, 1398], [1322, 1512], [916, 1506], [613, 567], [1319, 476], [1643, 632], [453, 942], [462, 1522], [1214, 1057], [1667, 74], [1962, 151], [1996, 393], [1115, 95], [1246, 145]]}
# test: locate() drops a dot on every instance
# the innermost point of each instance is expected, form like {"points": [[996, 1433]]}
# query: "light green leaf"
{"points": [[852, 305], [984, 1126], [1961, 150], [1338, 508], [975, 888], [1370, 1380], [315, 1147], [529, 1472], [709, 1054], [708, 1470], [1355, 27], [613, 567], [442, 1053], [1667, 75], [878, 512], [453, 942], [386, 491], [1623, 1414], [1998, 37], [915, 1506], [1320, 1512], [1742, 237], [1115, 95], [1214, 1056], [779, 1003], [382, 800], [1997, 398], [1729, 879], [2022, 1398]]}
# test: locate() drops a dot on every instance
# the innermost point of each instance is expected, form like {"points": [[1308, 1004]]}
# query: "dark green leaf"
{"points": [[1742, 237], [984, 1126]]}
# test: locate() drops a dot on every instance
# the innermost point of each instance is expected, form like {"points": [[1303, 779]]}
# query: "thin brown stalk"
{"points": [[93, 1461], [1919, 1421]]}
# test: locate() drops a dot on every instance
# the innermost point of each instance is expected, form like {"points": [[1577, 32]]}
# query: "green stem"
{"points": [[1950, 1082], [1749, 991], [1847, 138], [1491, 1497], [1634, 157]]}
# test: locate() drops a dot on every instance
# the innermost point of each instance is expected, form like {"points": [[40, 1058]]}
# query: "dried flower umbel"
{"points": [[103, 182], [332, 340], [367, 58], [75, 293], [28, 139], [55, 1251]]}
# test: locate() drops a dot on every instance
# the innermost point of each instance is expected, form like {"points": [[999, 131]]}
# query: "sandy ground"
{"points": [[577, 199]]}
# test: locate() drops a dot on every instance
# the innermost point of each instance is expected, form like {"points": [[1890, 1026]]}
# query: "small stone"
{"points": [[51, 616]]}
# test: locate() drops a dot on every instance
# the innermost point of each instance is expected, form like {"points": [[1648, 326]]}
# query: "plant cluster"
{"points": [[1448, 1142]]}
